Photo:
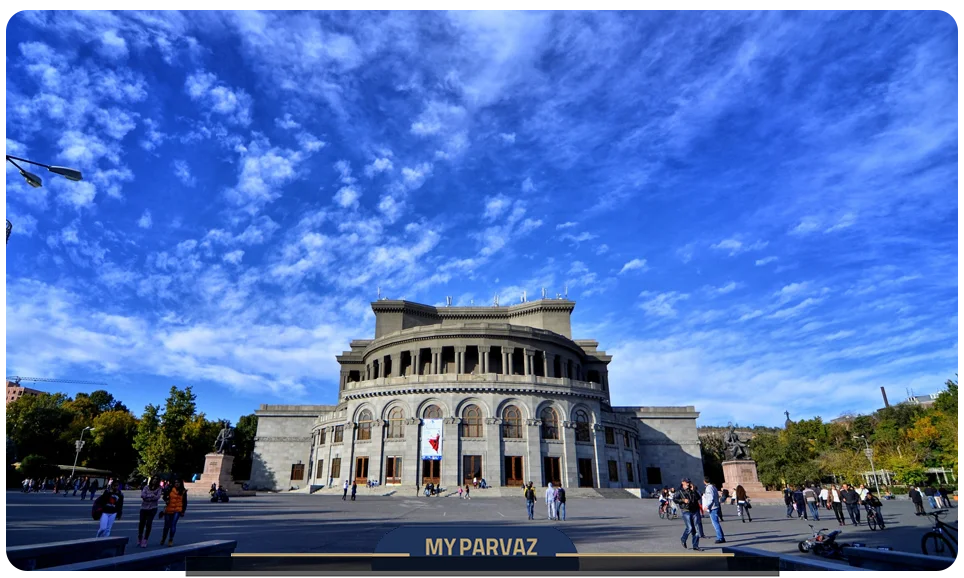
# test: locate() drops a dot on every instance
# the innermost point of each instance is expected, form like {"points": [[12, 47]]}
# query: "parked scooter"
{"points": [[824, 544]]}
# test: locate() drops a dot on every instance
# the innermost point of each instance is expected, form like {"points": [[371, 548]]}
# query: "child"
{"points": [[460, 491]]}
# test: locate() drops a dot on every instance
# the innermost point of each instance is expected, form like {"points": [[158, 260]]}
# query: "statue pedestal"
{"points": [[743, 473], [217, 470]]}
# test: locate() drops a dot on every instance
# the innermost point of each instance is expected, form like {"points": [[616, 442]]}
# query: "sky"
{"points": [[754, 212]]}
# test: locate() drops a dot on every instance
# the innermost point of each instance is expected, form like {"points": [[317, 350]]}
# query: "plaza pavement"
{"points": [[312, 523]]}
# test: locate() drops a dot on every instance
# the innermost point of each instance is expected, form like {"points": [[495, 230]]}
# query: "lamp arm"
{"points": [[13, 158]]}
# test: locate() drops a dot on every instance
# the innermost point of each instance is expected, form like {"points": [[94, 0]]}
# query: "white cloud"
{"points": [[791, 291], [414, 177], [233, 104], [287, 122], [602, 249], [635, 264], [566, 225], [234, 257], [527, 186], [751, 315], [806, 226], [765, 260], [735, 247], [347, 197], [379, 165], [495, 206], [795, 310], [145, 222], [661, 305], [685, 253], [113, 46], [78, 195], [344, 170], [580, 238], [840, 335], [390, 207], [309, 143], [724, 289], [846, 221], [436, 117], [183, 173], [507, 138]]}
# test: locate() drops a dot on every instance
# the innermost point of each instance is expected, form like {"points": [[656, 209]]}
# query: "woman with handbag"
{"points": [[150, 495], [108, 508], [743, 503], [176, 508]]}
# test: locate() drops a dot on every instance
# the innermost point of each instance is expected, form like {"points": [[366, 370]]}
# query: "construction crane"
{"points": [[17, 379]]}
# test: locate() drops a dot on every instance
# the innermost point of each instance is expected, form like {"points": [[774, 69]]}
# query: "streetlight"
{"points": [[79, 444], [870, 456], [35, 181]]}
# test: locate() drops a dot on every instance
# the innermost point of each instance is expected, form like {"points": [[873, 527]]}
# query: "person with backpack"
{"points": [[530, 496], [561, 503], [108, 508]]}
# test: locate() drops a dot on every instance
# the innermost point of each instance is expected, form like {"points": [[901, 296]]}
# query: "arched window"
{"points": [[433, 412], [396, 423], [511, 422], [365, 425], [472, 422], [582, 426], [550, 424]]}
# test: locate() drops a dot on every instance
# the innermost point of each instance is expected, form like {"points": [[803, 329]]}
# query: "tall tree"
{"points": [[244, 435], [36, 424], [111, 446]]}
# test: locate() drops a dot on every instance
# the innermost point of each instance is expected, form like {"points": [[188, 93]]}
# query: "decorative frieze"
{"points": [[282, 439]]}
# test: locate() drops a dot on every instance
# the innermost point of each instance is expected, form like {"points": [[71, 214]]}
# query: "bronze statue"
{"points": [[735, 448], [225, 436]]}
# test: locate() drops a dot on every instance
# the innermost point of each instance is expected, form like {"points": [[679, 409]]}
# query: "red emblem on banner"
{"points": [[434, 442]]}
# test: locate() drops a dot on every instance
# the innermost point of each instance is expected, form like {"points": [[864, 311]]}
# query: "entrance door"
{"points": [[431, 471], [361, 470], [513, 471], [585, 472], [471, 468], [552, 470], [393, 470]]}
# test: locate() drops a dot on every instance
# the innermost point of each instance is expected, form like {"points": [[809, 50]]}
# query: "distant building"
{"points": [[923, 400], [15, 391]]}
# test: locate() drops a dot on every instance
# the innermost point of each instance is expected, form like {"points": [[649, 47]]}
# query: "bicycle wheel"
{"points": [[662, 514], [872, 521], [934, 544]]}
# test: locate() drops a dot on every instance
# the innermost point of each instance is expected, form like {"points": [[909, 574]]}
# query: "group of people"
{"points": [[109, 507], [937, 497], [84, 485], [555, 501], [807, 501]]}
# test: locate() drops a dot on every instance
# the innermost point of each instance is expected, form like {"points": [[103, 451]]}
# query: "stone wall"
{"points": [[283, 438], [668, 440]]}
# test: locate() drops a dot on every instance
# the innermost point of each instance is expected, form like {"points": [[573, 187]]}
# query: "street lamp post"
{"points": [[79, 445], [35, 181], [870, 456]]}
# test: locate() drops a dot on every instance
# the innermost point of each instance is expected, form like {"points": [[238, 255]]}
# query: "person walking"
{"points": [[551, 501], [460, 492], [175, 509], [467, 490], [77, 482], [915, 496], [852, 500], [344, 492], [94, 486], [810, 496], [743, 504], [111, 506], [799, 503], [788, 500], [689, 502], [561, 503], [150, 495], [931, 494], [354, 490], [837, 505], [862, 492], [530, 496], [711, 503], [945, 498], [824, 494]]}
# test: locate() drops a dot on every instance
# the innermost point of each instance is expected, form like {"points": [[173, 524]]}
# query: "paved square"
{"points": [[303, 523]]}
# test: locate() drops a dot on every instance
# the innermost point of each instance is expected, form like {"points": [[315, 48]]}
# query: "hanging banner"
{"points": [[431, 439]]}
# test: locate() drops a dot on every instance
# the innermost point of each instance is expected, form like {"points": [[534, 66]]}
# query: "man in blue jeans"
{"points": [[530, 495], [711, 503], [689, 502]]}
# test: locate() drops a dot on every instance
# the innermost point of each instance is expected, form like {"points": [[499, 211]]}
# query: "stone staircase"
{"points": [[491, 492]]}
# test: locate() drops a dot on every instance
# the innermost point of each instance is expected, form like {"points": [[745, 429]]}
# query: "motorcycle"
{"points": [[824, 544]]}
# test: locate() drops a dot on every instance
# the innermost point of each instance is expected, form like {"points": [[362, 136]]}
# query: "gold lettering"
{"points": [[465, 544], [491, 547], [519, 549], [479, 549], [506, 544], [433, 547], [532, 546], [450, 543]]}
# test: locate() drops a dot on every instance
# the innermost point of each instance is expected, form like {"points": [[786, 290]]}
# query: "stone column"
{"points": [[329, 436], [460, 359], [510, 355], [545, 363], [526, 363], [599, 456], [492, 460], [350, 433], [533, 459], [570, 467], [414, 355], [505, 360], [451, 453], [412, 471], [436, 362], [376, 460], [343, 380], [531, 362], [484, 359]]}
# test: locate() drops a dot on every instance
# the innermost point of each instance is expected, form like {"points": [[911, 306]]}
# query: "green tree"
{"points": [[154, 456], [111, 447], [713, 450], [946, 401], [36, 424], [244, 434], [36, 466]]}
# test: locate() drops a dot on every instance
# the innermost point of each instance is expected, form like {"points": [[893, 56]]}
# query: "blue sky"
{"points": [[754, 212]]}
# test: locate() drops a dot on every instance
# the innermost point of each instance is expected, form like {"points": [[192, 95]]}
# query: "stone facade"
{"points": [[520, 400]]}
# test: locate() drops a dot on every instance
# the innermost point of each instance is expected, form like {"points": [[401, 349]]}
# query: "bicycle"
{"points": [[666, 511], [941, 540], [873, 519]]}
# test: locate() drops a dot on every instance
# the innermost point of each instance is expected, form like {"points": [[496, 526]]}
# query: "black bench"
{"points": [[793, 562], [172, 558], [40, 556], [873, 559]]}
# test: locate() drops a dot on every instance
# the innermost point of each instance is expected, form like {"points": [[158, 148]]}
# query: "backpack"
{"points": [[530, 495], [97, 510]]}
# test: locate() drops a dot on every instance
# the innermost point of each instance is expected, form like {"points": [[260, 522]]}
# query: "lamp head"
{"points": [[32, 179], [69, 174]]}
